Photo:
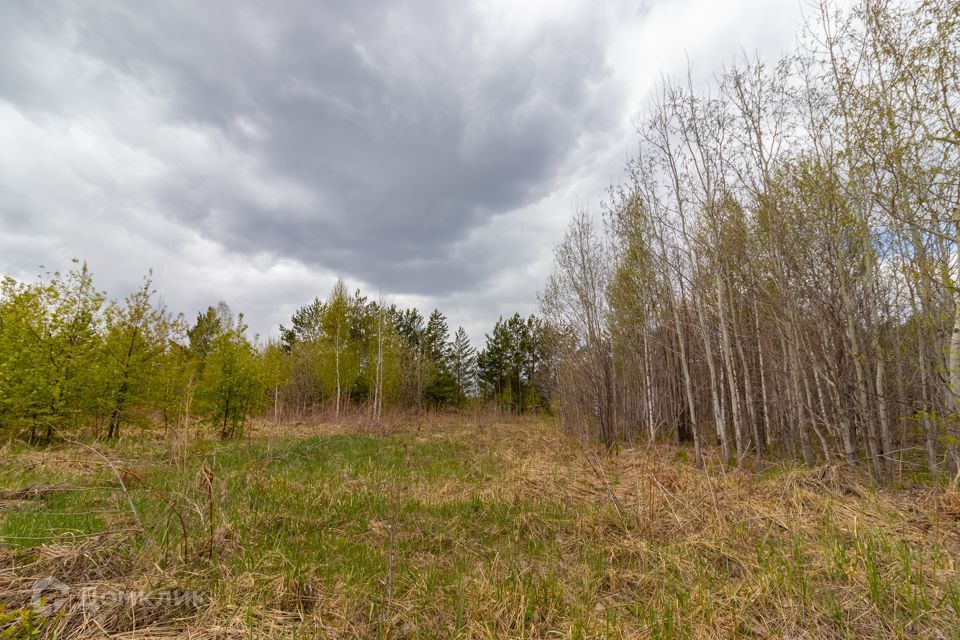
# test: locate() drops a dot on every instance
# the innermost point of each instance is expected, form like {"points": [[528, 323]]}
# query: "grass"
{"points": [[452, 529]]}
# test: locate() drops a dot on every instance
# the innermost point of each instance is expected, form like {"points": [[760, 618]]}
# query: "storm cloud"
{"points": [[254, 151]]}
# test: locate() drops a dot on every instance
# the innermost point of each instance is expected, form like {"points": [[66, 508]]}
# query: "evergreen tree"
{"points": [[436, 338], [508, 364], [210, 325], [306, 325], [440, 383], [463, 362]]}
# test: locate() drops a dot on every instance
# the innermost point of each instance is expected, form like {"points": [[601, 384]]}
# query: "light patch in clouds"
{"points": [[251, 153]]}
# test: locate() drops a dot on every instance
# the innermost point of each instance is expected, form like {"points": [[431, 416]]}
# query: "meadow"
{"points": [[454, 526]]}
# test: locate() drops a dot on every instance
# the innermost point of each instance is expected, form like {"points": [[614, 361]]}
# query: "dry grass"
{"points": [[472, 527]]}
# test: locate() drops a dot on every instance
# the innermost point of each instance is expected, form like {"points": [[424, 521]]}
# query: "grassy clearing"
{"points": [[460, 530]]}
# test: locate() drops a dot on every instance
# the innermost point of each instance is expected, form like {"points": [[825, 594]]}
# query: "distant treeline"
{"points": [[778, 272], [349, 348], [72, 360]]}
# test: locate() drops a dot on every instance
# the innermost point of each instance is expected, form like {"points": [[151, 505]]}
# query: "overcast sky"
{"points": [[253, 151]]}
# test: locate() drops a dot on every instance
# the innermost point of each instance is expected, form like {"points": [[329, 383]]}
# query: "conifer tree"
{"points": [[463, 360]]}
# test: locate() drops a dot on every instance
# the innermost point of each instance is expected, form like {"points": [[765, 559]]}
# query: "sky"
{"points": [[253, 152]]}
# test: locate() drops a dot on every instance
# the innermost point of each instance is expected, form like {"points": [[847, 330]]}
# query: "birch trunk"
{"points": [[731, 371], [718, 417], [687, 381]]}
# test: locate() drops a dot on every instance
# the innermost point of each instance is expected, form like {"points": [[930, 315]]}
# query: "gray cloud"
{"points": [[253, 150], [402, 129]]}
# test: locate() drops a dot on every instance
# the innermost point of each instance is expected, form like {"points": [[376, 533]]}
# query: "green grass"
{"points": [[453, 533]]}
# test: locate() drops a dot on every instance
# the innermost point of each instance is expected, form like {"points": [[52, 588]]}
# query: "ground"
{"points": [[458, 526]]}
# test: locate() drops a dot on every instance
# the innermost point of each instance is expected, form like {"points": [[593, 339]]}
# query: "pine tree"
{"points": [[463, 362]]}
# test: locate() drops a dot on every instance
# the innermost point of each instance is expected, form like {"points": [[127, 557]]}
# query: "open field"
{"points": [[453, 528]]}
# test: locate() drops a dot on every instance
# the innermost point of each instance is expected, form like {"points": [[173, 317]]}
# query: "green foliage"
{"points": [[347, 339], [463, 364], [51, 343], [442, 390], [233, 377], [208, 327], [71, 359], [20, 624], [137, 336], [306, 325], [509, 365], [436, 338]]}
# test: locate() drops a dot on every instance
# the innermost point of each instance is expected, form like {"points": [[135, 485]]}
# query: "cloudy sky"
{"points": [[254, 151]]}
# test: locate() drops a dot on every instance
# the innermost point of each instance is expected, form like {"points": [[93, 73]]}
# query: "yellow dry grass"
{"points": [[567, 541]]}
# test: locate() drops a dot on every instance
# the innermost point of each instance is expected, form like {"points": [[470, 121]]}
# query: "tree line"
{"points": [[72, 359], [777, 273], [350, 349]]}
